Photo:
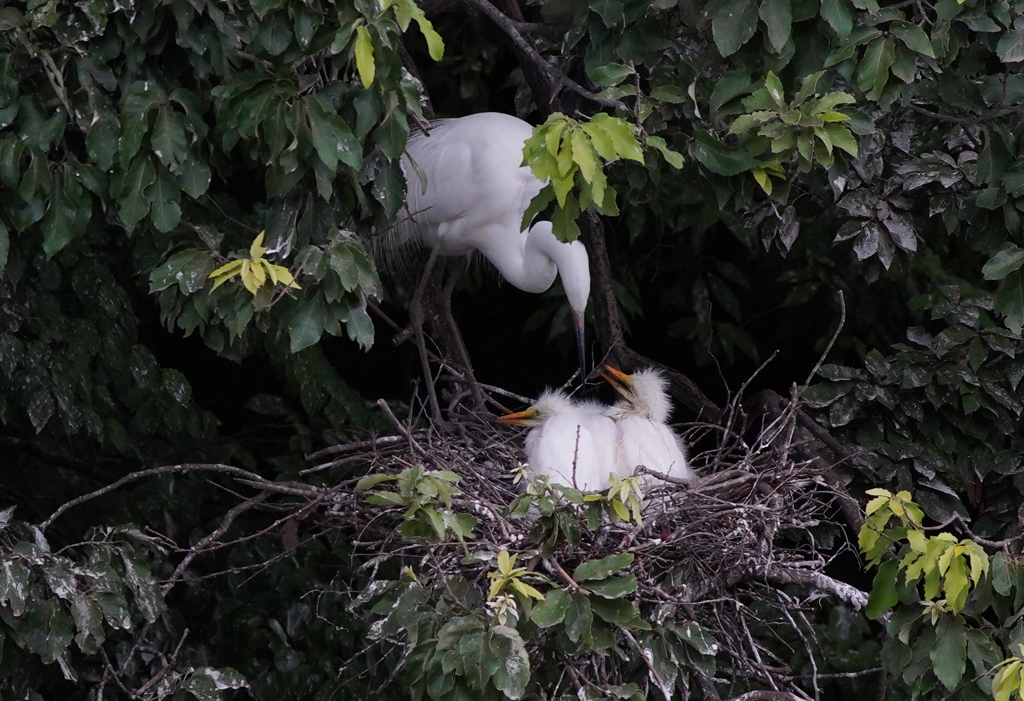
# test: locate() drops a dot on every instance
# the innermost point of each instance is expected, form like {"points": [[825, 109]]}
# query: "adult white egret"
{"points": [[572, 442], [641, 418], [467, 191]]}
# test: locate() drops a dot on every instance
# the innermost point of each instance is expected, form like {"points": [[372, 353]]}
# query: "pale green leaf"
{"points": [[364, 56]]}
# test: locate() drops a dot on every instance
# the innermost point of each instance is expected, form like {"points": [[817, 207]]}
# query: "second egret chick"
{"points": [[641, 418], [564, 434]]}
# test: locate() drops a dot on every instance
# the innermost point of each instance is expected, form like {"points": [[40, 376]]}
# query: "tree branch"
{"points": [[141, 474], [199, 547], [766, 695], [777, 574], [509, 27]]}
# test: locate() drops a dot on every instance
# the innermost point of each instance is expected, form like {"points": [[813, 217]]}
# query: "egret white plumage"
{"points": [[572, 442], [641, 417], [467, 191]]}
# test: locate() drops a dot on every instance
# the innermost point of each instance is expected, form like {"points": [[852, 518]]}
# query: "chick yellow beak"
{"points": [[528, 417], [622, 382]]}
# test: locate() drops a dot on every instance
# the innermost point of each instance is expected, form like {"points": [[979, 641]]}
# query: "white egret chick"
{"points": [[641, 417], [573, 443]]}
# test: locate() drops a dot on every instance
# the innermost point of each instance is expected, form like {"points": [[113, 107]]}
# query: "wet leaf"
{"points": [[602, 568]]}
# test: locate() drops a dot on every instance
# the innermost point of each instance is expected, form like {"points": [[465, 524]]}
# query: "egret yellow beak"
{"points": [[528, 417], [622, 382]]}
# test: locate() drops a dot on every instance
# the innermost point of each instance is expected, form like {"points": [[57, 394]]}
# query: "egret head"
{"points": [[549, 403], [645, 392]]}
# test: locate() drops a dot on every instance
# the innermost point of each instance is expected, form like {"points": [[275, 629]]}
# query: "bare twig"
{"points": [[210, 538], [832, 341], [142, 474]]}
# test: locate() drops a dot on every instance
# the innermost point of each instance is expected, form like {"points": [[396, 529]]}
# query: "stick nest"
{"points": [[723, 551]]}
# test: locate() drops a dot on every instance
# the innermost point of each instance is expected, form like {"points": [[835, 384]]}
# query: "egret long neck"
{"points": [[519, 261], [569, 258]]}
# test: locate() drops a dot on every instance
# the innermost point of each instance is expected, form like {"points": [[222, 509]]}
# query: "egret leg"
{"points": [[460, 346], [416, 321]]}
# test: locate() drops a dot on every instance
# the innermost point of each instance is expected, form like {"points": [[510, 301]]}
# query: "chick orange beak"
{"points": [[528, 417], [622, 382]]}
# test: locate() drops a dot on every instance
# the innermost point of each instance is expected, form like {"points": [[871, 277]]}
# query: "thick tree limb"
{"points": [[777, 574], [509, 27], [612, 346]]}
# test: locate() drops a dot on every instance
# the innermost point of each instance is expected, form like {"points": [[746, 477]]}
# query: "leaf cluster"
{"points": [[426, 497], [808, 127]]}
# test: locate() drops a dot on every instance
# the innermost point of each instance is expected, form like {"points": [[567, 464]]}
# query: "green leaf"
{"points": [[610, 75], [620, 133], [583, 154], [307, 324], [359, 326], [132, 202], [189, 269], [1010, 48], [578, 618], [619, 612], [164, 196], [734, 25], [59, 221], [563, 220], [883, 594], [435, 44], [913, 36], [370, 481], [956, 582], [552, 610], [719, 158], [839, 15], [873, 70], [603, 568], [168, 138], [143, 585], [842, 138], [949, 655], [696, 637], [1007, 681], [364, 56], [1010, 300], [613, 587], [1009, 258], [332, 138], [513, 670], [392, 134], [672, 157], [669, 93], [777, 16], [194, 177], [730, 86], [101, 138], [1002, 580], [135, 108]]}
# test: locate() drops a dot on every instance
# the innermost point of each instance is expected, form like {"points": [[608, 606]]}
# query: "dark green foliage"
{"points": [[848, 145]]}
